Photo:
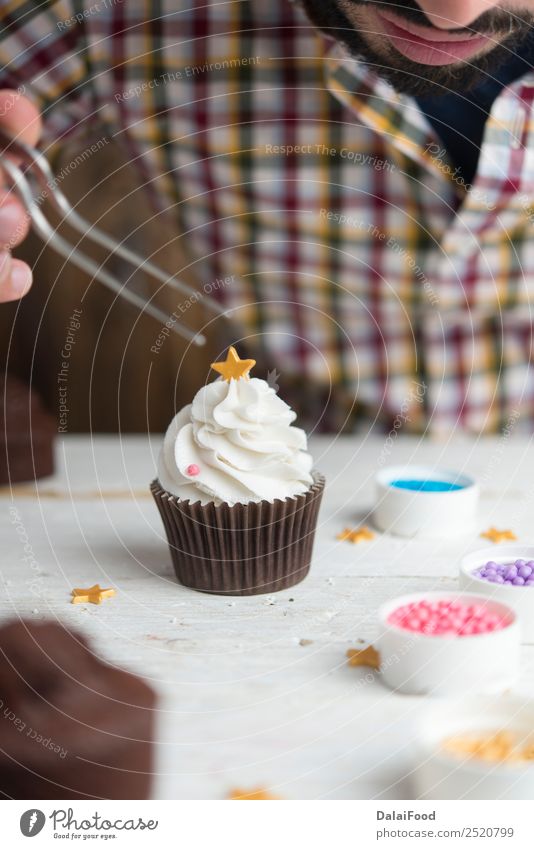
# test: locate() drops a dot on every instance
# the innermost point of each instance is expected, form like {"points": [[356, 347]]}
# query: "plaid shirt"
{"points": [[363, 268]]}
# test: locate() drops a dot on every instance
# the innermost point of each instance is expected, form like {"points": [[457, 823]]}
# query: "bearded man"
{"points": [[361, 172]]}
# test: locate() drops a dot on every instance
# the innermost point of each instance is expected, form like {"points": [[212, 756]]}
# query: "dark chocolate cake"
{"points": [[26, 433], [71, 726]]}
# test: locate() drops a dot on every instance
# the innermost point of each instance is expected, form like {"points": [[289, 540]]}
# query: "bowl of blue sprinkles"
{"points": [[424, 501]]}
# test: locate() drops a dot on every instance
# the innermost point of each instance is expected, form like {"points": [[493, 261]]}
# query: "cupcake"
{"points": [[236, 490]]}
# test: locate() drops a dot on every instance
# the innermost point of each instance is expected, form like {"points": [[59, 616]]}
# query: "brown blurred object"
{"points": [[112, 380], [26, 433], [71, 727]]}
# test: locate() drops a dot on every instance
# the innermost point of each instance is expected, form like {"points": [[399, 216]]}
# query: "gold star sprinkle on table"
{"points": [[498, 536], [499, 747], [257, 795], [234, 368], [364, 657], [92, 595], [356, 536]]}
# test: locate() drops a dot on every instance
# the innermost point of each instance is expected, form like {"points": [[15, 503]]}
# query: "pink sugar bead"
{"points": [[493, 618], [193, 470]]}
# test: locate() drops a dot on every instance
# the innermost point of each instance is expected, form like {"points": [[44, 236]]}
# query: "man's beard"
{"points": [[411, 77]]}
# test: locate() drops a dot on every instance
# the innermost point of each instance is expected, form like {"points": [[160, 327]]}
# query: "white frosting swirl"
{"points": [[239, 435]]}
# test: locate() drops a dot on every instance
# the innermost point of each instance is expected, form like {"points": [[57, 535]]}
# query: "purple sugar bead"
{"points": [[530, 563], [529, 582], [511, 571], [524, 571], [499, 579], [490, 567], [518, 582]]}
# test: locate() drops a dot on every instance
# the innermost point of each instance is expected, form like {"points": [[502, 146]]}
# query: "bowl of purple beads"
{"points": [[505, 574]]}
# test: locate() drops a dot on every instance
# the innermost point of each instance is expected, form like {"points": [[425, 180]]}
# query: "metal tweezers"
{"points": [[34, 163]]}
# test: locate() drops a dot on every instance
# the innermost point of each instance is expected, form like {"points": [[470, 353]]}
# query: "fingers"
{"points": [[15, 278], [19, 116], [22, 120], [14, 220]]}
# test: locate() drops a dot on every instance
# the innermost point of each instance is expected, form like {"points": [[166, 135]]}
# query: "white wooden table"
{"points": [[254, 691]]}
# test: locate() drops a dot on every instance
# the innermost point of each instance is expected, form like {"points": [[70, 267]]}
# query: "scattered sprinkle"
{"points": [[94, 594], [257, 795], [305, 642], [495, 747], [356, 535], [498, 536], [364, 657]]}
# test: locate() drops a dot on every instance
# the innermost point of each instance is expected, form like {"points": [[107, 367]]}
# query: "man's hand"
{"points": [[20, 118]]}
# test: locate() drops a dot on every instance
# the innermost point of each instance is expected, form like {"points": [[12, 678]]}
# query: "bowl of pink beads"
{"points": [[507, 576], [447, 643]]}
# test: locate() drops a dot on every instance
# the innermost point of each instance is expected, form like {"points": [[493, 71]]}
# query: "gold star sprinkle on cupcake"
{"points": [[356, 536], [364, 657], [234, 368], [92, 595], [498, 536], [257, 795]]}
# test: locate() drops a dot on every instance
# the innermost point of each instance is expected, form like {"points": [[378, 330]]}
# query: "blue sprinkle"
{"points": [[426, 486]]}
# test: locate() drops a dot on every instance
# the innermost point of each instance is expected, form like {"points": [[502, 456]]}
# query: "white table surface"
{"points": [[253, 691]]}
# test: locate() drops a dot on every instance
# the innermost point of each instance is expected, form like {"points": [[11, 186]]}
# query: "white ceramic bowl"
{"points": [[417, 664], [411, 513], [521, 599], [439, 775]]}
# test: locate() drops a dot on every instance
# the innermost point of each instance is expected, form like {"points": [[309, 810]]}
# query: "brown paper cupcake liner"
{"points": [[247, 549]]}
